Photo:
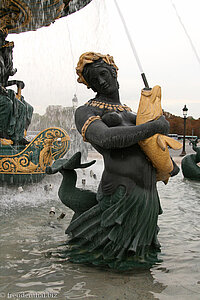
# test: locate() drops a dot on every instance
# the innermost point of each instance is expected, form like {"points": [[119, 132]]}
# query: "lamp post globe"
{"points": [[185, 110]]}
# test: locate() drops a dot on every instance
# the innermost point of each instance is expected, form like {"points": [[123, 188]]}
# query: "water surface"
{"points": [[29, 234]]}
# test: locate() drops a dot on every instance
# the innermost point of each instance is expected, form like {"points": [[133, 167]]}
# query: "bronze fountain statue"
{"points": [[119, 227], [22, 161], [15, 112], [189, 164]]}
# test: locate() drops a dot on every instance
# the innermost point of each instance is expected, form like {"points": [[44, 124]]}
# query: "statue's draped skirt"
{"points": [[15, 116], [120, 231]]}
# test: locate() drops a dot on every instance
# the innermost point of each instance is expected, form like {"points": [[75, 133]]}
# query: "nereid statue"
{"points": [[120, 228]]}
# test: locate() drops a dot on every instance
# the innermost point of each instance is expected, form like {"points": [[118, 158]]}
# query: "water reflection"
{"points": [[28, 235], [180, 239]]}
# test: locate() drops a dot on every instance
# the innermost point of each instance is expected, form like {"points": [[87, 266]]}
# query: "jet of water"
{"points": [[186, 32], [72, 56], [132, 45]]}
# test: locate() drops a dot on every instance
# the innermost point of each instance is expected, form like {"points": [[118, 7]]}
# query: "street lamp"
{"points": [[185, 109]]}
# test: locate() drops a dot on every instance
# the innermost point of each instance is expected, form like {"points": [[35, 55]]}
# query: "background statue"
{"points": [[121, 229], [15, 112], [189, 163]]}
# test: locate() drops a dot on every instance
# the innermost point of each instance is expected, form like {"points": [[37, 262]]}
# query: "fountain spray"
{"points": [[132, 46], [186, 32]]}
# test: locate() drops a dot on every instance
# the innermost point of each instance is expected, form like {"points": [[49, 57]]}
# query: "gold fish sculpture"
{"points": [[156, 147]]}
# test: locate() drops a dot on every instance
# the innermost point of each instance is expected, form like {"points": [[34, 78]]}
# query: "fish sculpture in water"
{"points": [[156, 147], [79, 200], [190, 163]]}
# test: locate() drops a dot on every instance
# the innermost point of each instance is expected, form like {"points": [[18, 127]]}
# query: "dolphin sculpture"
{"points": [[79, 200]]}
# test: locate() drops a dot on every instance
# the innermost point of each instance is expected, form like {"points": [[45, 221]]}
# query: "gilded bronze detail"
{"points": [[86, 125], [26, 15], [22, 15], [110, 107], [14, 14], [49, 145], [156, 146], [88, 58]]}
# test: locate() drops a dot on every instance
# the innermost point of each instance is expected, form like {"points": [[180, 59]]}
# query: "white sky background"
{"points": [[46, 58]]}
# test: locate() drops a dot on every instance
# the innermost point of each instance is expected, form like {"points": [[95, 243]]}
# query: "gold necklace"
{"points": [[109, 106]]}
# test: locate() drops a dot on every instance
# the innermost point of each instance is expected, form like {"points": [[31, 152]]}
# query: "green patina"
{"points": [[15, 116], [189, 163], [26, 164], [112, 231]]}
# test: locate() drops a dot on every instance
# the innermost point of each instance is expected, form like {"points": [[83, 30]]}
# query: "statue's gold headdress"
{"points": [[88, 58]]}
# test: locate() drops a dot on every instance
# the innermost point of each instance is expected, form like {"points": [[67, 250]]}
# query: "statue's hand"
{"points": [[163, 125], [20, 84], [147, 89]]}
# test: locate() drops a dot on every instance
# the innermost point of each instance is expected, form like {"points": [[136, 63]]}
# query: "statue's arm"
{"points": [[117, 137], [19, 83]]}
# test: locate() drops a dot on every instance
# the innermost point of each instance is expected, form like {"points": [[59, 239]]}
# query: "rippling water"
{"points": [[28, 234]]}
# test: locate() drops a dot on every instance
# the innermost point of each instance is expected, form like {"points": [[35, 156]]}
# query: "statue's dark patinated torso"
{"points": [[125, 164]]}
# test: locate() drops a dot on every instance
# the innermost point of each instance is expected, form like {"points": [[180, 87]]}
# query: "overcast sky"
{"points": [[46, 58]]}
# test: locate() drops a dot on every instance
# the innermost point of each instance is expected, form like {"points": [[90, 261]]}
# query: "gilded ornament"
{"points": [[156, 147], [86, 125], [41, 152], [88, 58], [109, 106]]}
